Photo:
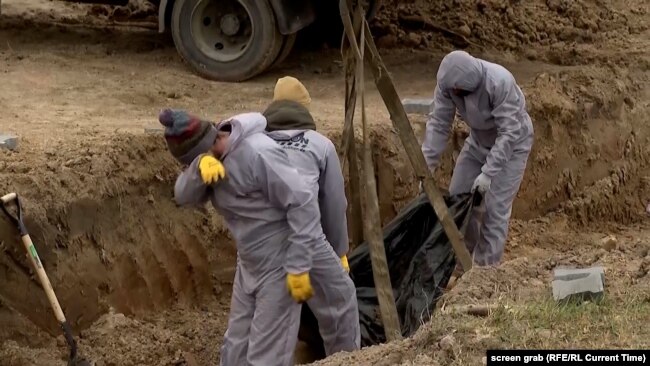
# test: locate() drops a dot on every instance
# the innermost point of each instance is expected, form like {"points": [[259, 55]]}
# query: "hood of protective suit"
{"points": [[242, 126], [288, 115], [460, 70]]}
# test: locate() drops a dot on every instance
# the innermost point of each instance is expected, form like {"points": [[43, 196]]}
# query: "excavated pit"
{"points": [[130, 267], [118, 251], [144, 282], [110, 237]]}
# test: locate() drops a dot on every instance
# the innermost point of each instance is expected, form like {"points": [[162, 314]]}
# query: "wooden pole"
{"points": [[405, 132], [350, 62], [348, 145], [372, 225], [355, 212], [371, 220]]}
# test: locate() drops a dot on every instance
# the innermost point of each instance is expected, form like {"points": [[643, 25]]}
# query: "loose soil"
{"points": [[144, 282]]}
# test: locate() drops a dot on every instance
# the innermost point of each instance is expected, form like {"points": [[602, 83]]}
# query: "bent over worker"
{"points": [[494, 156], [291, 125], [275, 221]]}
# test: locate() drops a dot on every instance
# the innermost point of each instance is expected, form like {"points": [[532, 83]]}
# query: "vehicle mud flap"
{"points": [[293, 15]]}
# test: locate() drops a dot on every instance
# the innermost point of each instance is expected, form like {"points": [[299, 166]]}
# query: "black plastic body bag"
{"points": [[420, 261]]}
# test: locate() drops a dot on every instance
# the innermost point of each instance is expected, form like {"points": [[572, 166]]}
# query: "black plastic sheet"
{"points": [[420, 261]]}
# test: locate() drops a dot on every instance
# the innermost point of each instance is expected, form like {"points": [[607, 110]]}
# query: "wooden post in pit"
{"points": [[348, 152], [371, 221]]}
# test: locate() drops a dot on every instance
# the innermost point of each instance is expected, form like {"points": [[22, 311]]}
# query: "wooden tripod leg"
{"points": [[405, 132]]}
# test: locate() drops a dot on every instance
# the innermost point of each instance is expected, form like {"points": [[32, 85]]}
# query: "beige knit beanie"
{"points": [[290, 88]]}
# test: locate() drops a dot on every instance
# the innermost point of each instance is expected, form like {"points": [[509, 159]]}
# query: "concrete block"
{"points": [[417, 106], [154, 130], [8, 142], [579, 284]]}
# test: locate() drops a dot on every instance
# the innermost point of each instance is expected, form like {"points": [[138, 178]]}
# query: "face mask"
{"points": [[461, 93]]}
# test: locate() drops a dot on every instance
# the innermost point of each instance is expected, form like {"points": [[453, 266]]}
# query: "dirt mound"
{"points": [[133, 10], [177, 336], [591, 155], [141, 343], [544, 29]]}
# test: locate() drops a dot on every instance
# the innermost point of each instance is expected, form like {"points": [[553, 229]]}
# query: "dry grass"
{"points": [[525, 316], [618, 321]]}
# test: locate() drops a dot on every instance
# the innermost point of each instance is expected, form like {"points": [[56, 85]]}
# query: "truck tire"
{"points": [[226, 40], [287, 46]]}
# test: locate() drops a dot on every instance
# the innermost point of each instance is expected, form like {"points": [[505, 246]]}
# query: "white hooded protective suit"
{"points": [[500, 140]]}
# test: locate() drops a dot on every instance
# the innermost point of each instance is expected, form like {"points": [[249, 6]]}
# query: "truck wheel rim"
{"points": [[222, 29]]}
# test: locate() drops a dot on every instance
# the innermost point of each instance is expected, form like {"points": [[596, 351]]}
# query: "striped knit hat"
{"points": [[187, 136]]}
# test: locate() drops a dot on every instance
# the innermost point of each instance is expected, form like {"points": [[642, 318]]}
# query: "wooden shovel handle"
{"points": [[32, 254], [42, 277], [8, 197]]}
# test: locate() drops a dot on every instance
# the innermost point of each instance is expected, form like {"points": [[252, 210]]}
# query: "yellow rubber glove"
{"points": [[211, 169], [344, 262], [299, 286]]}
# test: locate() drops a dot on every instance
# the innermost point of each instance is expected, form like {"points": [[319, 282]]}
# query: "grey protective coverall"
{"points": [[500, 140], [275, 221], [314, 155]]}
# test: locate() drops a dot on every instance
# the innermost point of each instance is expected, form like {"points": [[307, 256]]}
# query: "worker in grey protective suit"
{"points": [[493, 159], [275, 220], [291, 125]]}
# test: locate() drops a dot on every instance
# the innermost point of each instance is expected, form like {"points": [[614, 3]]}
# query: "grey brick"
{"points": [[578, 284], [567, 274], [8, 142], [417, 106], [154, 130]]}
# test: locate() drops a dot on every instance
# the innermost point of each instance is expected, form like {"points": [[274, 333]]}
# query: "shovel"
{"points": [[17, 220]]}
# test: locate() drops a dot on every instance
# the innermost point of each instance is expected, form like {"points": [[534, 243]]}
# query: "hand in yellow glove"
{"points": [[345, 264], [211, 169], [299, 286]]}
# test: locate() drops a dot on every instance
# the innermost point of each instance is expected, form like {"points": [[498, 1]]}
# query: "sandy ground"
{"points": [[146, 283]]}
